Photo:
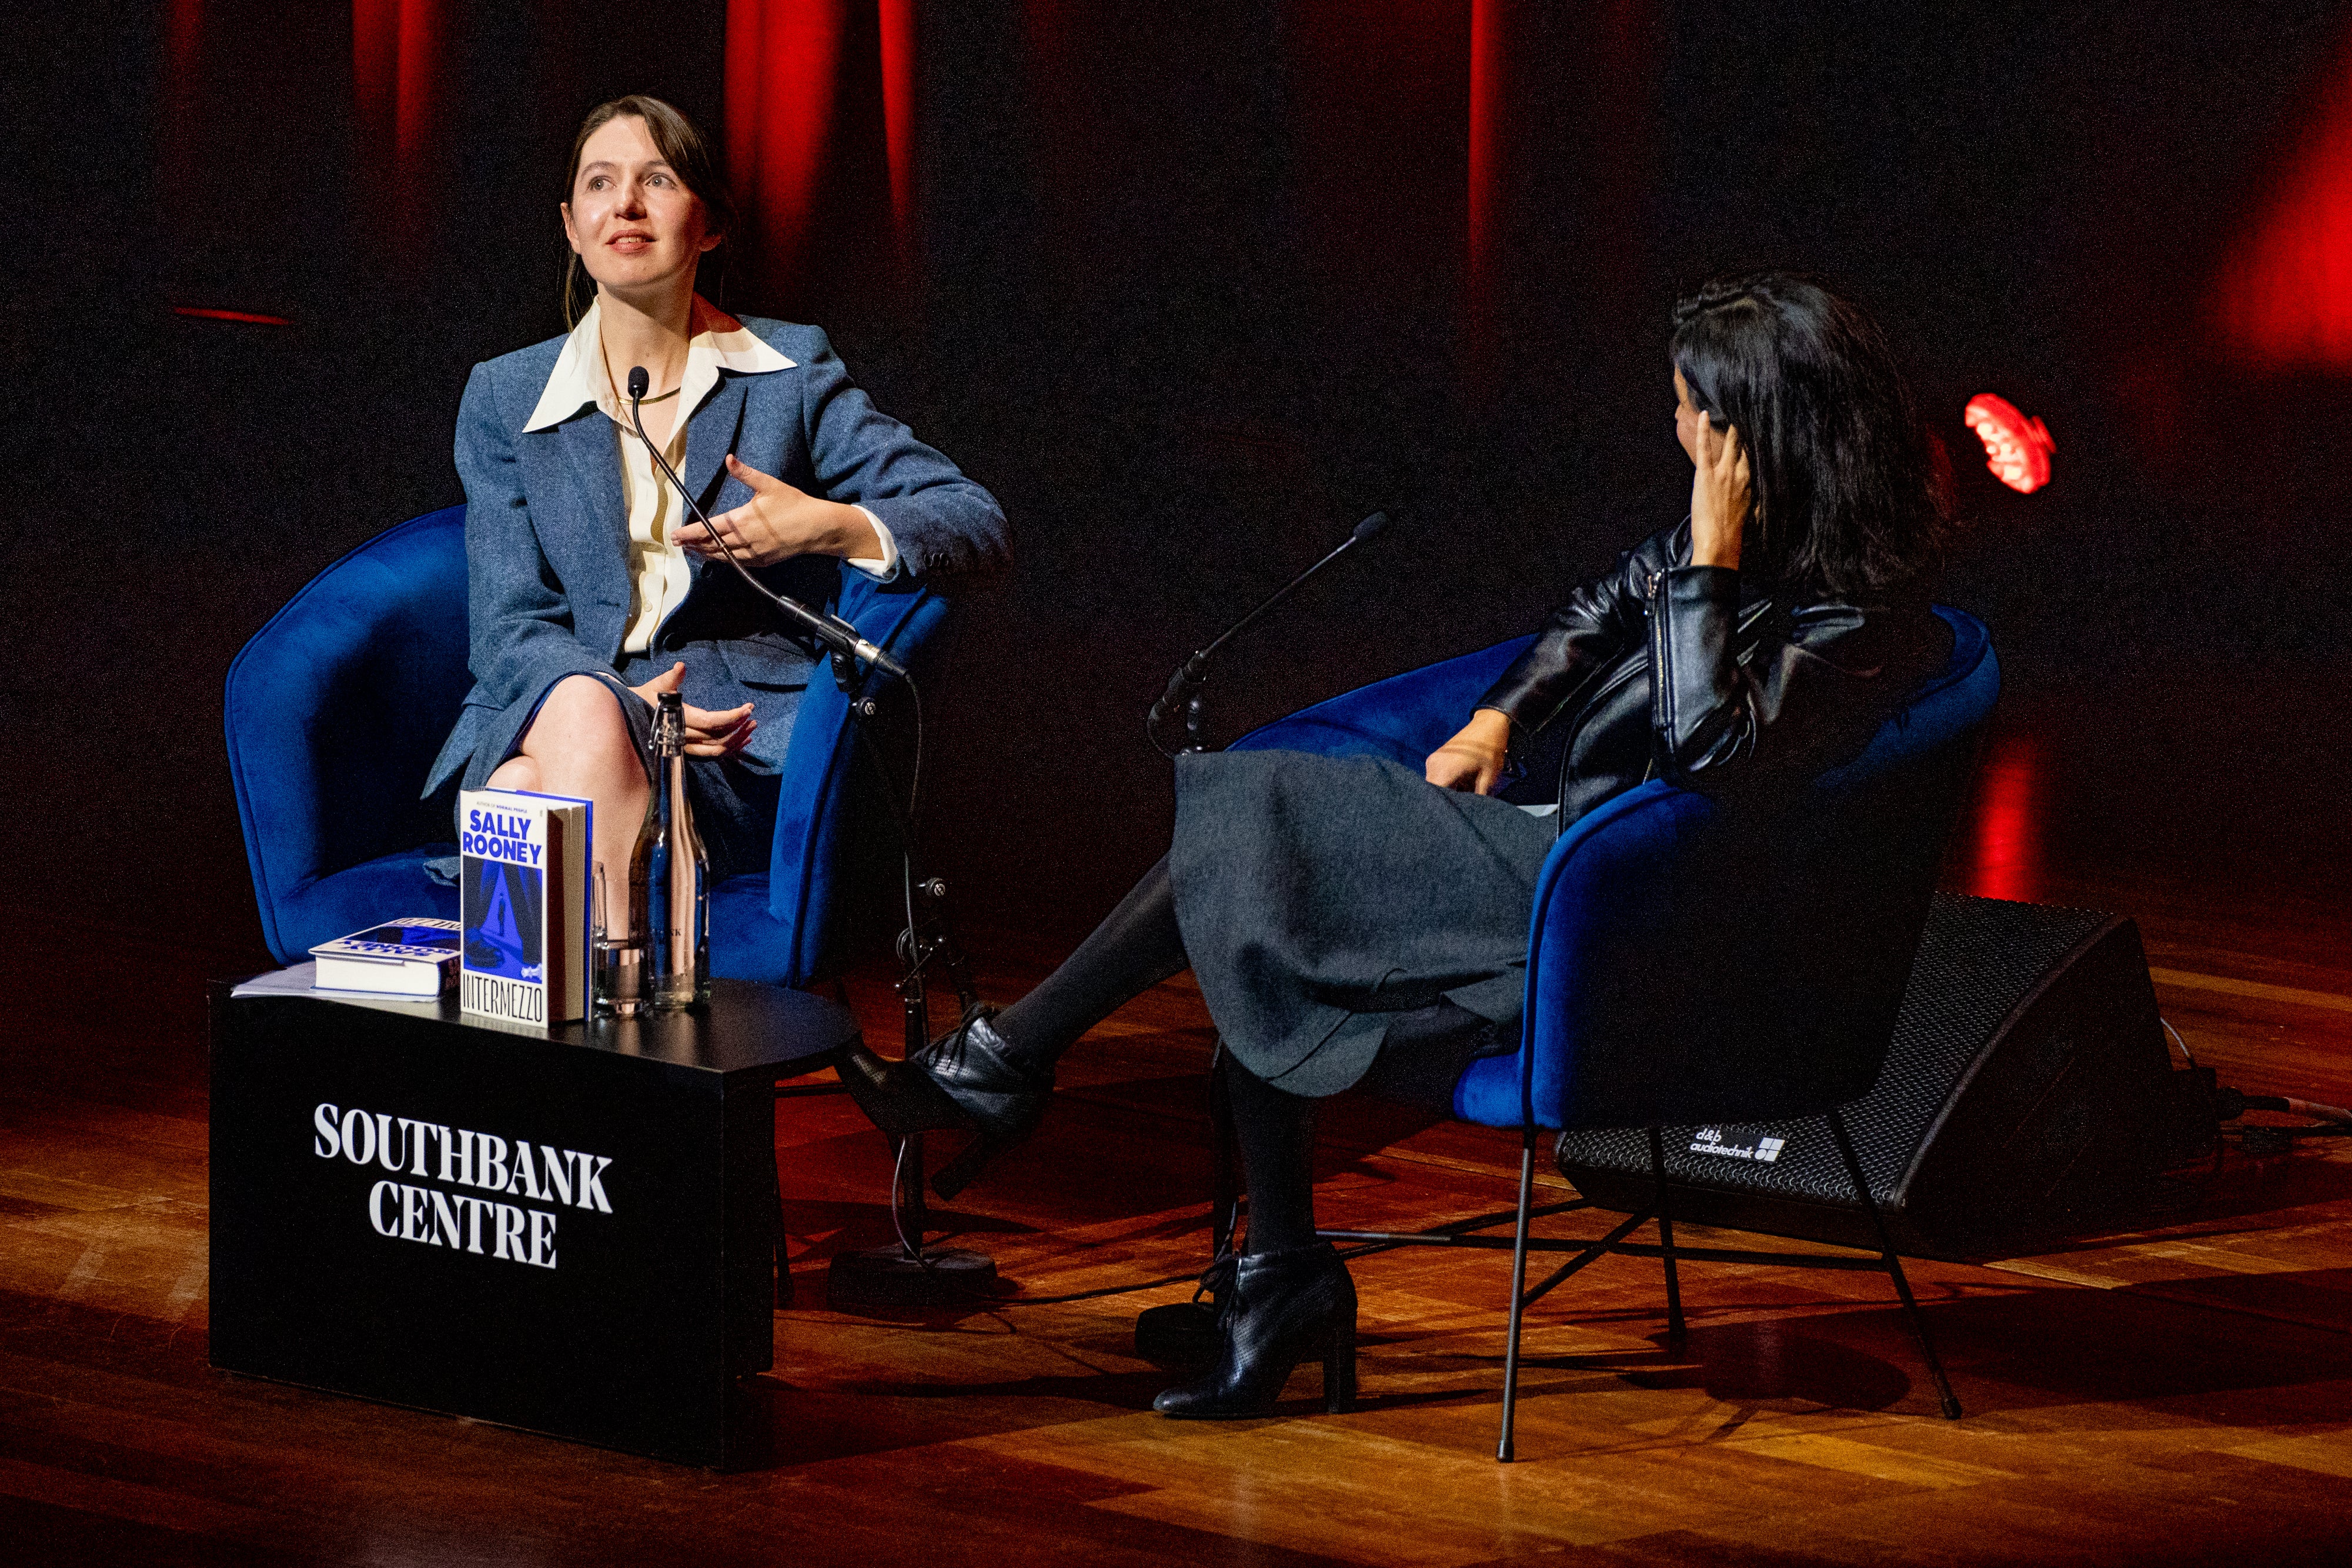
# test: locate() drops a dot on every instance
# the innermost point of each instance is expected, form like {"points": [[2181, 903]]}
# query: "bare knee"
{"points": [[580, 721], [514, 773]]}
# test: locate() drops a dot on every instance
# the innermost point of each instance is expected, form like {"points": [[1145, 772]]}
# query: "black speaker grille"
{"points": [[1970, 975], [1978, 959]]}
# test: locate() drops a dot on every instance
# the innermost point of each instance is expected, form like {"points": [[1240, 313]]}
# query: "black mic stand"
{"points": [[1183, 1334], [908, 1274], [1184, 693]]}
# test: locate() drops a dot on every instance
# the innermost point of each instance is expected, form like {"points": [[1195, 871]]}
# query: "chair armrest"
{"points": [[1402, 718], [820, 761]]}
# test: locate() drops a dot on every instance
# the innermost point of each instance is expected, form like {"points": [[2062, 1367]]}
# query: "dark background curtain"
{"points": [[1192, 289]]}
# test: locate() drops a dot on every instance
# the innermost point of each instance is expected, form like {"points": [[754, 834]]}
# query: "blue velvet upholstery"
{"points": [[1669, 980], [336, 708], [1620, 1030], [1696, 959], [1402, 718]]}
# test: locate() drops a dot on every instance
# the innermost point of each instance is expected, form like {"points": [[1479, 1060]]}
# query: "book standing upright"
{"points": [[523, 861]]}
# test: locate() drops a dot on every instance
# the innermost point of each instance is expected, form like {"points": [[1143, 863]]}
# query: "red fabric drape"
{"points": [[184, 40], [1382, 101], [2283, 294], [1451, 163], [898, 107], [399, 85], [821, 124]]}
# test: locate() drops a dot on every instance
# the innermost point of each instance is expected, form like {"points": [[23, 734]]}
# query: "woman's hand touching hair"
{"points": [[1721, 495], [707, 734], [1475, 759]]}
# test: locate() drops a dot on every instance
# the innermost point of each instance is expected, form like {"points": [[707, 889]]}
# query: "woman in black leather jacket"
{"points": [[1350, 924]]}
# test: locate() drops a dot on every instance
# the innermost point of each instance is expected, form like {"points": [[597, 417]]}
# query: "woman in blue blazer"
{"points": [[590, 592]]}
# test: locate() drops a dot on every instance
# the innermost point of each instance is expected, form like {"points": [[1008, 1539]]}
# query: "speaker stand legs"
{"points": [[1675, 1332], [1950, 1403]]}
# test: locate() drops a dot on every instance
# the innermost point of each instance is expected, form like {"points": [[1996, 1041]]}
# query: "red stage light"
{"points": [[205, 313], [2004, 840], [2017, 449]]}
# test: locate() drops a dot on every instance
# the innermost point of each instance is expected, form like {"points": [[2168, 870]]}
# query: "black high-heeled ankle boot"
{"points": [[1004, 1097], [966, 1078], [1283, 1308], [896, 1097]]}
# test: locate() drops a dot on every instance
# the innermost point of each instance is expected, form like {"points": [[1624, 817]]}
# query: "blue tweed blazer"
{"points": [[546, 538]]}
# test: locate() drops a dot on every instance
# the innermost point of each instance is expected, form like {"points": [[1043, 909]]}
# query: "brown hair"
{"points": [[683, 147]]}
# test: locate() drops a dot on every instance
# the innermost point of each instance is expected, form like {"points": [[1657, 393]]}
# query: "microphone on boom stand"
{"points": [[829, 629], [909, 1273], [1184, 693]]}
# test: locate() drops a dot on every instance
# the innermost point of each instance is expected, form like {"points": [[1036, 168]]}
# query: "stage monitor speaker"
{"points": [[2024, 1099]]}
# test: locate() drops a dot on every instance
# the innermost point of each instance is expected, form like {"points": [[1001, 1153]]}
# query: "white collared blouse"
{"points": [[658, 574]]}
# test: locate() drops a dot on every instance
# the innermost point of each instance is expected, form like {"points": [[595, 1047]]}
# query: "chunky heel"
{"points": [[1339, 1367], [1281, 1308], [970, 1160]]}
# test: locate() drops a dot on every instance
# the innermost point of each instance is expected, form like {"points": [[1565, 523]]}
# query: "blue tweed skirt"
{"points": [[734, 797]]}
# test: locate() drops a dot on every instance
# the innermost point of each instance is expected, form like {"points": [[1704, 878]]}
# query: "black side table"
{"points": [[568, 1230]]}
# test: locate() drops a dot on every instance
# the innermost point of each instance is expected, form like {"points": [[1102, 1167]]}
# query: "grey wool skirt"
{"points": [[1320, 896]]}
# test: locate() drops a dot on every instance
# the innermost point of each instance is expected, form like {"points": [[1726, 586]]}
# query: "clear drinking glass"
{"points": [[617, 963]]}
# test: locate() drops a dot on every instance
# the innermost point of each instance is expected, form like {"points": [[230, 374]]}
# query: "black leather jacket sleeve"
{"points": [[1801, 694], [1665, 670], [1582, 641]]}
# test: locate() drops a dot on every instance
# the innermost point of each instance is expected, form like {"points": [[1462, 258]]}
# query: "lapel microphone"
{"points": [[831, 629]]}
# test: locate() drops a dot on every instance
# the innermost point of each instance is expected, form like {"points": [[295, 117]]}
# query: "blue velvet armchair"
{"points": [[1687, 965], [336, 707]]}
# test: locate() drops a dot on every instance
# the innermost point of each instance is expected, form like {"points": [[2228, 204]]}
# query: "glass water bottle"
{"points": [[675, 871]]}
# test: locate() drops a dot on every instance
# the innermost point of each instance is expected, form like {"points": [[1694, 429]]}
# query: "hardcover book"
{"points": [[523, 882], [415, 956]]}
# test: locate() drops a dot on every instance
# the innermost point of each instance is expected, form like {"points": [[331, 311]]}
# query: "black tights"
{"points": [[1136, 946], [1135, 949]]}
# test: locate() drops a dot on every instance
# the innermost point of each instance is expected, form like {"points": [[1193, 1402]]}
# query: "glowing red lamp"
{"points": [[2017, 449]]}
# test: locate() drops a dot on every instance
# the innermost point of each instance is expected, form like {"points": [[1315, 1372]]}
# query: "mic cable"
{"points": [[844, 639]]}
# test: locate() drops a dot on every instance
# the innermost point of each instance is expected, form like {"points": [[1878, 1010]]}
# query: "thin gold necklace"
{"points": [[656, 397]]}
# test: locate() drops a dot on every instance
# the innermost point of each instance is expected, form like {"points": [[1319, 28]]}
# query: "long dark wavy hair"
{"points": [[688, 153], [1850, 489]]}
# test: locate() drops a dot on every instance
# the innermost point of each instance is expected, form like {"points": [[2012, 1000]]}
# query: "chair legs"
{"points": [[1668, 1253], [1503, 1451], [1675, 1332], [1951, 1404]]}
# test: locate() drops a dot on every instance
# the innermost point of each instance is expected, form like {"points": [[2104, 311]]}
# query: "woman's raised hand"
{"points": [[781, 520], [1474, 759], [707, 734], [1720, 495]]}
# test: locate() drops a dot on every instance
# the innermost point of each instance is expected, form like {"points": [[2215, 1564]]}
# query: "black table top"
{"points": [[746, 1028]]}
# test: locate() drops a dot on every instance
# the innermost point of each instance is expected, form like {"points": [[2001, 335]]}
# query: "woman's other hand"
{"points": [[1720, 494], [1475, 757], [779, 522], [707, 734]]}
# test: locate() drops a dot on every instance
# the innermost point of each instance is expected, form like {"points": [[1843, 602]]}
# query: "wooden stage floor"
{"points": [[2179, 1396]]}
